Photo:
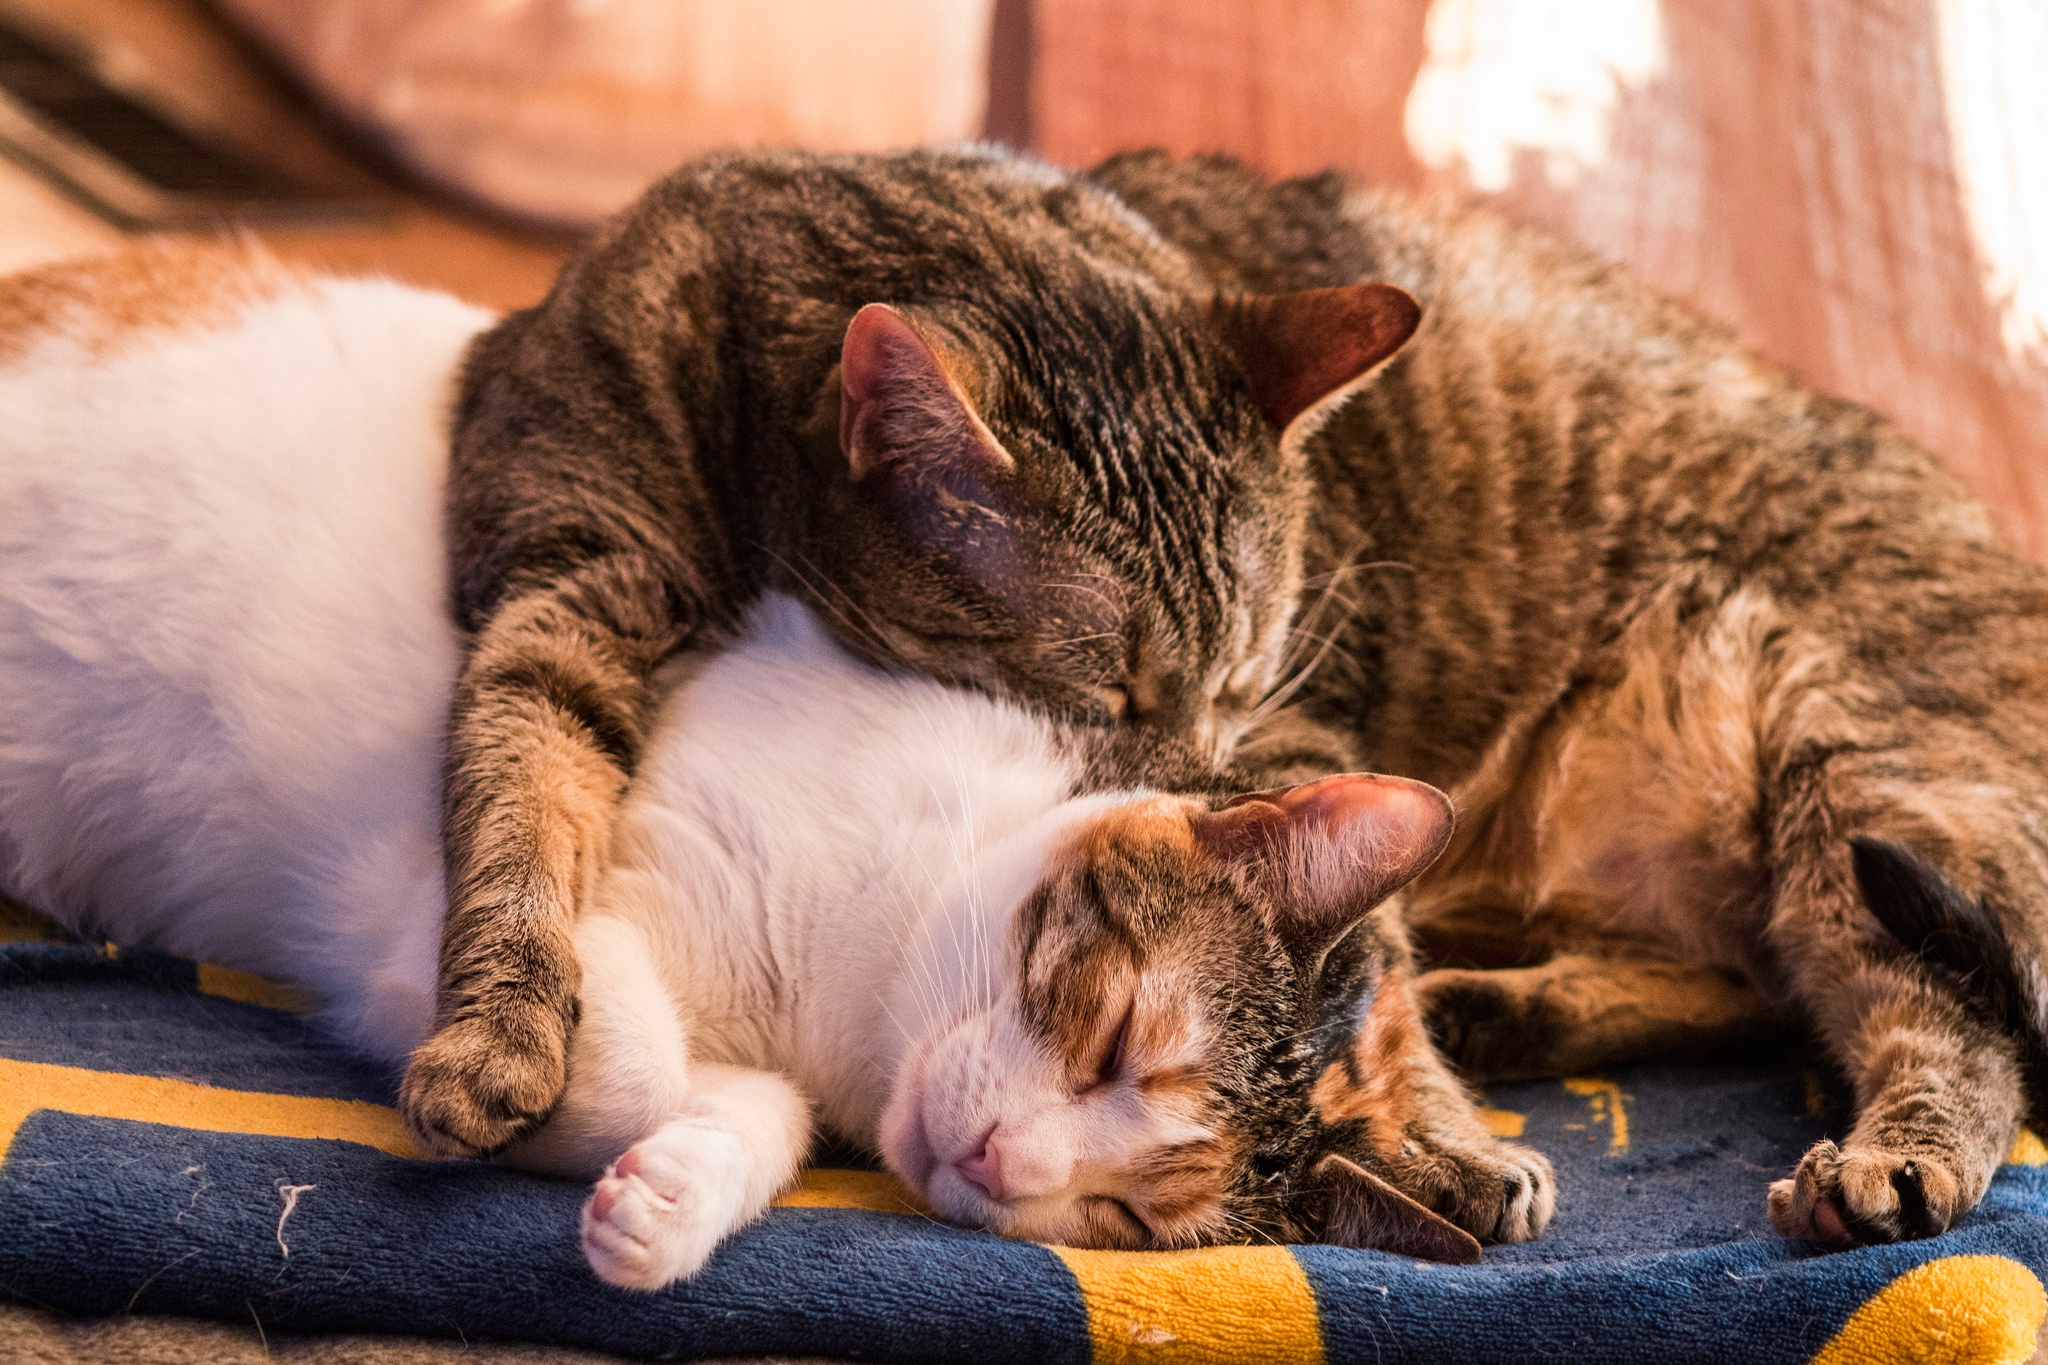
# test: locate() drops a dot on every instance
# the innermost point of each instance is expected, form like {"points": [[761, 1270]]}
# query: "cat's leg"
{"points": [[1420, 1124], [1937, 1088], [548, 719], [711, 1168], [1578, 1013], [687, 1152]]}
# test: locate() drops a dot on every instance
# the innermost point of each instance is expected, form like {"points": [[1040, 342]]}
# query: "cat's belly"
{"points": [[1628, 824]]}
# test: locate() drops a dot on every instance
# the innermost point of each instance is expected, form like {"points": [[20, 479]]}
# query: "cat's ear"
{"points": [[1332, 849], [902, 409], [1361, 1210], [1304, 352]]}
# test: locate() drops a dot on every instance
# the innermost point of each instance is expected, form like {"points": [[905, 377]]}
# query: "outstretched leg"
{"points": [[548, 720], [1578, 1013], [1937, 1087]]}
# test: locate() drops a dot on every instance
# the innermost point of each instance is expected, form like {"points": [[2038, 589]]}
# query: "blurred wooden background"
{"points": [[1859, 186]]}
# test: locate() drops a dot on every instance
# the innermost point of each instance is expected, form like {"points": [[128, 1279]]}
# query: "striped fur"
{"points": [[1051, 474], [1674, 630]]}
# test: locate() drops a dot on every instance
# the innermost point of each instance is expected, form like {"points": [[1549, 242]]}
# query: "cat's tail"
{"points": [[1961, 935]]}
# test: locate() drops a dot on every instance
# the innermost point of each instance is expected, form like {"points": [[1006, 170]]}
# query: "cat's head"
{"points": [[1192, 1029], [1094, 504]]}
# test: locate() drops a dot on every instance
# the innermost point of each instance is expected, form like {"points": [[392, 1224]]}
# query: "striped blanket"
{"points": [[176, 1139]]}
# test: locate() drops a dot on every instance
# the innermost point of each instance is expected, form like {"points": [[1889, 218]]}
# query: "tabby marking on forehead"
{"points": [[108, 304]]}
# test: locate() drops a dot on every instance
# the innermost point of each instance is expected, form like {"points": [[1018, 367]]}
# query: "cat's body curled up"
{"points": [[837, 896]]}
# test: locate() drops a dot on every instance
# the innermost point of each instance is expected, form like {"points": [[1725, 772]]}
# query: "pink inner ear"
{"points": [[880, 347], [1345, 842], [897, 398], [1411, 819], [1298, 348]]}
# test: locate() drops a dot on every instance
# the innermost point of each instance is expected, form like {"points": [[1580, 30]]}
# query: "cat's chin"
{"points": [[907, 1150]]}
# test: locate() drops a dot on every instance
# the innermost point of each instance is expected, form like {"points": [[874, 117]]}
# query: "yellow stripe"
{"points": [[28, 1086], [1503, 1123], [875, 1191], [2027, 1150], [1607, 1106], [1218, 1306], [19, 924], [1959, 1310], [250, 989]]}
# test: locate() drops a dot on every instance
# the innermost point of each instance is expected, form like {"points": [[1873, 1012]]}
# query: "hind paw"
{"points": [[1857, 1196]]}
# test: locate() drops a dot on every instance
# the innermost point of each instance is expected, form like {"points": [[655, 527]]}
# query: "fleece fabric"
{"points": [[174, 1142]]}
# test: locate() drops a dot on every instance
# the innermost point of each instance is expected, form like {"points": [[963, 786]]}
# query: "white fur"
{"points": [[224, 651], [225, 664]]}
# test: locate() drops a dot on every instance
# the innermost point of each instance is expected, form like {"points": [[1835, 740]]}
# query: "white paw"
{"points": [[662, 1208]]}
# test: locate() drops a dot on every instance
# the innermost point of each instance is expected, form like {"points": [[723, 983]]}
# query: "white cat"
{"points": [[837, 896]]}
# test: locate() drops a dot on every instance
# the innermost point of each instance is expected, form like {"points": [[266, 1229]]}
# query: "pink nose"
{"points": [[983, 1169]]}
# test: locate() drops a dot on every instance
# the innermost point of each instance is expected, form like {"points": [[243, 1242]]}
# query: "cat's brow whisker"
{"points": [[1306, 623], [865, 628], [928, 994], [1082, 639], [1280, 695]]}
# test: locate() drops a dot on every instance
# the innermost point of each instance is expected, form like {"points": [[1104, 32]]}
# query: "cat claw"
{"points": [[1859, 1196], [1498, 1192]]}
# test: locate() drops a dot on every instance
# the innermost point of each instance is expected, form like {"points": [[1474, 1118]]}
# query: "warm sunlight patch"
{"points": [[1998, 130], [1504, 78]]}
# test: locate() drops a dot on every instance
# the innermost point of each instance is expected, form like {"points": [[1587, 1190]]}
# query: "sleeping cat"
{"points": [[835, 897], [1713, 666], [969, 405]]}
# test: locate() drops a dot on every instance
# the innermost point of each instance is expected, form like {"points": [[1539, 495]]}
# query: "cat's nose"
{"points": [[983, 1169]]}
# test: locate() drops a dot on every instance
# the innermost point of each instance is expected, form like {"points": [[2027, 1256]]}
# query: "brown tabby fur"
{"points": [[1157, 928], [1057, 474], [1672, 629]]}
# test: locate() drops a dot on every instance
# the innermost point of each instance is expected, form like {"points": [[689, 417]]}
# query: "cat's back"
{"points": [[1558, 445], [222, 580]]}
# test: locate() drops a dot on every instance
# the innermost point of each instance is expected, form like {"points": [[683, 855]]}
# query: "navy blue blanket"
{"points": [[172, 1144]]}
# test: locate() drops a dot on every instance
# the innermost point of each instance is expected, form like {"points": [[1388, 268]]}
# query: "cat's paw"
{"points": [[1855, 1196], [661, 1210], [1497, 1191], [486, 1080], [1471, 1017]]}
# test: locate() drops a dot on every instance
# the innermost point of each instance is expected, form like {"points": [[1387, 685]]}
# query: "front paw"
{"points": [[1858, 1195], [660, 1211], [1478, 1024], [486, 1080], [1497, 1191]]}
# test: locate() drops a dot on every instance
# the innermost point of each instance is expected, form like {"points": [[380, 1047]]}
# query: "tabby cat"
{"points": [[972, 407], [1705, 659], [838, 897]]}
